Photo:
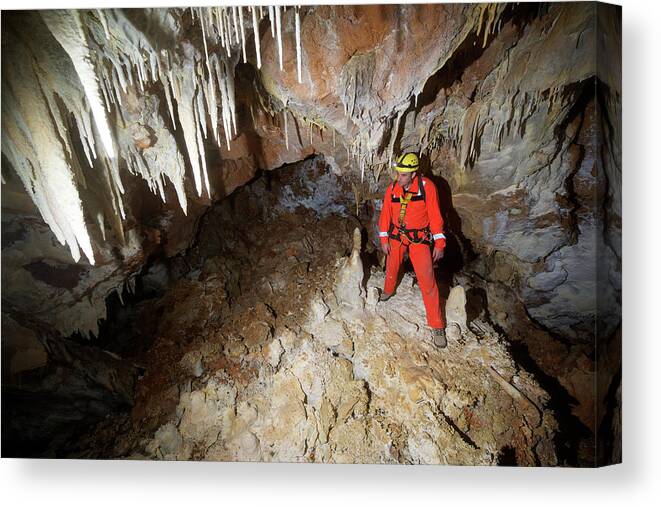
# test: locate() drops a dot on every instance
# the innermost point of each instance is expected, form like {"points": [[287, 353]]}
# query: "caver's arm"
{"points": [[386, 216], [434, 214]]}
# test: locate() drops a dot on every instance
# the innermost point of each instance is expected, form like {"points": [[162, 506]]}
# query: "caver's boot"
{"points": [[438, 336], [384, 297]]}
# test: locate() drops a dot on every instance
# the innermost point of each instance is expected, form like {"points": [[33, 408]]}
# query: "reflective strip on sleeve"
{"points": [[383, 234], [439, 236]]}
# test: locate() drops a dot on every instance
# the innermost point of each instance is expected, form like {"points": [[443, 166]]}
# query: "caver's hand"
{"points": [[437, 254], [385, 248]]}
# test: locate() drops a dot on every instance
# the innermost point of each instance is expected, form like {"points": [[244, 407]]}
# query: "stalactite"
{"points": [[278, 29], [104, 23], [186, 111], [168, 99], [221, 76], [204, 40], [199, 108], [153, 65], [236, 21], [200, 147], [221, 28], [298, 44], [284, 114], [255, 28], [272, 20], [243, 35], [67, 28], [115, 64], [43, 166], [393, 136], [228, 32], [212, 106]]}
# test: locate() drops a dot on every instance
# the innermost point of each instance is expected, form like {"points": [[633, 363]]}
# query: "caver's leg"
{"points": [[424, 270], [393, 264]]}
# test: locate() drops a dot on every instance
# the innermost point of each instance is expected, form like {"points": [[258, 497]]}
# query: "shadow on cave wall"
{"points": [[458, 248]]}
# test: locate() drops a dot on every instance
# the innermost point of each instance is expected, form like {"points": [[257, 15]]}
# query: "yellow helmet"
{"points": [[407, 163]]}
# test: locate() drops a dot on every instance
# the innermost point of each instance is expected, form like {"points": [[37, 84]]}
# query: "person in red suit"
{"points": [[411, 220]]}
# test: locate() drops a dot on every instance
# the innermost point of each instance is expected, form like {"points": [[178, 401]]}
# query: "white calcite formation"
{"points": [[105, 56]]}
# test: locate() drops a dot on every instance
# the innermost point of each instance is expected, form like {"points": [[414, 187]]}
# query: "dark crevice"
{"points": [[571, 431], [464, 436]]}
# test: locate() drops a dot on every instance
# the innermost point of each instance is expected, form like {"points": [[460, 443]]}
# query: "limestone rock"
{"points": [[331, 332], [348, 287], [455, 307], [319, 308], [453, 332], [372, 296], [274, 351], [192, 363]]}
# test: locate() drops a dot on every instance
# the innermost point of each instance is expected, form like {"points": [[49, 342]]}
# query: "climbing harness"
{"points": [[417, 236]]}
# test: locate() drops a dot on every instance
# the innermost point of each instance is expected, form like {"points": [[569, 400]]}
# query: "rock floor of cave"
{"points": [[253, 355]]}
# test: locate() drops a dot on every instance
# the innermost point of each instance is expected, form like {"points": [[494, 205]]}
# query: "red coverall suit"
{"points": [[419, 214]]}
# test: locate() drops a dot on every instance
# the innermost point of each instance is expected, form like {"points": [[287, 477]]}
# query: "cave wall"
{"points": [[499, 99]]}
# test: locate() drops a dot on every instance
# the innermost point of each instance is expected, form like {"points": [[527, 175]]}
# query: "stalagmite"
{"points": [[298, 44], [278, 29], [255, 28]]}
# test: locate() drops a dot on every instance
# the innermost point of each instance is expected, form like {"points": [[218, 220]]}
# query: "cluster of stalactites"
{"points": [[370, 150], [112, 59]]}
